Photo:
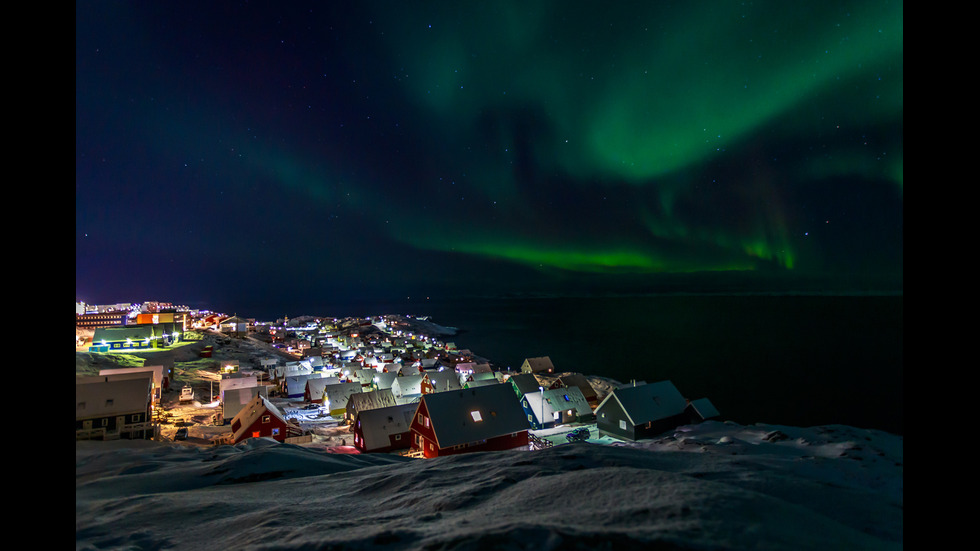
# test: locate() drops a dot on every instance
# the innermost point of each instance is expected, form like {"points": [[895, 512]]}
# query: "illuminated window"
{"points": [[275, 432], [475, 414], [265, 418], [622, 424]]}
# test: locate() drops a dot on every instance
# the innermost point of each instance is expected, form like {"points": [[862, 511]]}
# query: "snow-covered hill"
{"points": [[710, 486]]}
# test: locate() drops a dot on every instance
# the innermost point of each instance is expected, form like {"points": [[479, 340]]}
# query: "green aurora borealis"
{"points": [[565, 138]]}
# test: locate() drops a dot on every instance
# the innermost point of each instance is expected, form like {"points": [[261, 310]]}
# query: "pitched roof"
{"points": [[525, 382], [250, 412], [542, 363], [556, 399], [111, 395], [442, 381], [463, 416], [363, 401], [649, 402], [579, 380], [704, 408], [377, 424]]}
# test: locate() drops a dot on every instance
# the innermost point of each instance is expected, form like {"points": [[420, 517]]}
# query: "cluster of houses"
{"points": [[407, 393]]}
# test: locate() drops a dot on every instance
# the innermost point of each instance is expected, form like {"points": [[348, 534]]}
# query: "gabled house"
{"points": [[295, 385], [260, 418], [524, 383], [114, 406], [556, 406], [314, 388], [156, 373], [235, 380], [580, 381], [362, 401], [538, 365], [384, 380], [407, 388], [335, 397], [481, 419], [439, 381], [701, 410], [237, 398], [638, 412], [383, 430]]}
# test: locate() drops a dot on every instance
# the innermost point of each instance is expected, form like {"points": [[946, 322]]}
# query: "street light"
{"points": [[541, 417]]}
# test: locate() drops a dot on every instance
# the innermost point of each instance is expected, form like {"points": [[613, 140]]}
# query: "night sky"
{"points": [[298, 151]]}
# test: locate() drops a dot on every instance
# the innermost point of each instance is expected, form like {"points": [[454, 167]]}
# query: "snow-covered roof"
{"points": [[407, 385], [102, 396], [536, 365], [377, 424], [260, 405], [362, 401], [704, 408], [649, 402], [463, 416], [442, 381], [339, 393]]}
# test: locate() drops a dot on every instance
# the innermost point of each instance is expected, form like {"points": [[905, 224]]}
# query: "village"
{"points": [[393, 384]]}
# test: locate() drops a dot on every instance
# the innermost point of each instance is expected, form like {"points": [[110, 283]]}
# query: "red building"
{"points": [[384, 430], [486, 418], [259, 418]]}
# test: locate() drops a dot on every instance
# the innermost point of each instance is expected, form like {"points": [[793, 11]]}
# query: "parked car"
{"points": [[580, 434], [181, 434]]}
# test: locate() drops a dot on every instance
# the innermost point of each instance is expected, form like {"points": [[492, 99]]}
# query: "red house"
{"points": [[383, 430], [486, 418], [259, 418]]}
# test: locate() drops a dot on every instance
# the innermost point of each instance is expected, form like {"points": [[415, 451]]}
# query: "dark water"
{"points": [[792, 360]]}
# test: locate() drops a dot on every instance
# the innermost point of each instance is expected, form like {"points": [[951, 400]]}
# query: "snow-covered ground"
{"points": [[710, 486]]}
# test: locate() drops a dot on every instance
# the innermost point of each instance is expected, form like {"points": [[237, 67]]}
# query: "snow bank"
{"points": [[711, 486]]}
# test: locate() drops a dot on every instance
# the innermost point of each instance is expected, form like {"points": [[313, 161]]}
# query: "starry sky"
{"points": [[230, 150]]}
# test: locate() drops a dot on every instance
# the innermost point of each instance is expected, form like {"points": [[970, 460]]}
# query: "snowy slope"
{"points": [[710, 486]]}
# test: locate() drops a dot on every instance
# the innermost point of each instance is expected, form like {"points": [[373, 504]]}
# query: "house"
{"points": [[114, 406], [295, 385], [237, 398], [524, 383], [538, 365], [556, 406], [314, 388], [129, 337], [260, 418], [644, 411], [233, 325], [700, 410], [407, 388], [382, 430], [439, 381], [480, 419], [335, 397], [155, 371], [235, 380], [580, 381], [383, 380], [362, 401]]}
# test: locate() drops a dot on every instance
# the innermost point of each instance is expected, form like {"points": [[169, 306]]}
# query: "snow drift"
{"points": [[710, 486]]}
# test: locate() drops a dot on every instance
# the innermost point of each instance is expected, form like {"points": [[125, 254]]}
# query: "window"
{"points": [[398, 437], [475, 414], [265, 418], [137, 417], [255, 434], [275, 431], [622, 424]]}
